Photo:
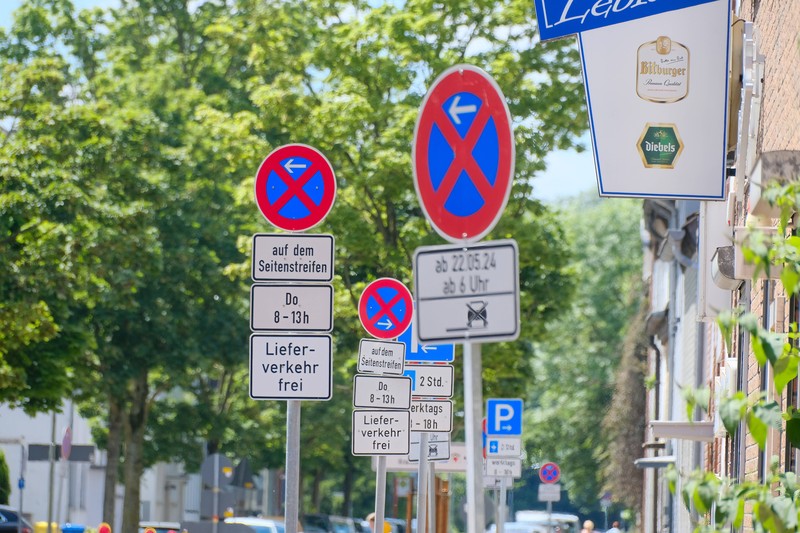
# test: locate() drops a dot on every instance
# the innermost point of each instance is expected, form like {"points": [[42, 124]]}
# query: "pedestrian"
{"points": [[588, 527], [614, 527], [387, 528]]}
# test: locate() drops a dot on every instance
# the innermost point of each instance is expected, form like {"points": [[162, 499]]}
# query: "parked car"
{"points": [[10, 521], [326, 523], [259, 525], [160, 527]]}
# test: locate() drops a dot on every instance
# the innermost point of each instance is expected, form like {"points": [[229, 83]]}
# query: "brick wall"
{"points": [[777, 25]]}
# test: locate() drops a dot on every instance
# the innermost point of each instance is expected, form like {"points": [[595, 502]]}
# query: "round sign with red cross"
{"points": [[463, 154], [549, 473], [385, 308], [295, 187]]}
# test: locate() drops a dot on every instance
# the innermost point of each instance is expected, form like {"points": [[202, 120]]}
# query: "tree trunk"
{"points": [[136, 422], [113, 452], [316, 493], [347, 485]]}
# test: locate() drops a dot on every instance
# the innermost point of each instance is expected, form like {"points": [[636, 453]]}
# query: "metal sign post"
{"points": [[282, 192], [292, 465], [380, 494], [422, 476], [473, 414], [501, 509]]}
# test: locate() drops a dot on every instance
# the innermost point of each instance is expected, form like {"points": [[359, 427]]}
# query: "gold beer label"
{"points": [[662, 71]]}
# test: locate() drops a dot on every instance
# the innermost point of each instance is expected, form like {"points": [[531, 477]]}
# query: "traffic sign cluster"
{"points": [[502, 441], [382, 398], [295, 189]]}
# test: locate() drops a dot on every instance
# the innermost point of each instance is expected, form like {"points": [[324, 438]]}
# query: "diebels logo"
{"points": [[558, 18], [660, 145]]}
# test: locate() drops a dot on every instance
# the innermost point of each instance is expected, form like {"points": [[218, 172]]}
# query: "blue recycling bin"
{"points": [[73, 528]]}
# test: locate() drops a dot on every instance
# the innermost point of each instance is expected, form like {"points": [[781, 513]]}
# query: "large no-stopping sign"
{"points": [[295, 187], [463, 154]]}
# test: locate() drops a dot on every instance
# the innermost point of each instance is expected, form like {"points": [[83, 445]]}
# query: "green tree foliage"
{"points": [[5, 480], [135, 135], [574, 364]]}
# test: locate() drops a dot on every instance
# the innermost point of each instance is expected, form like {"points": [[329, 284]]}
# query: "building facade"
{"points": [[695, 269]]}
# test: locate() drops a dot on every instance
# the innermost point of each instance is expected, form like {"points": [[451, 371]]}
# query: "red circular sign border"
{"points": [[547, 481], [328, 176], [362, 308], [450, 82]]}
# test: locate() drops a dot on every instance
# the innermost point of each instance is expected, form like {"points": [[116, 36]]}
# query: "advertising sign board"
{"points": [[657, 93]]}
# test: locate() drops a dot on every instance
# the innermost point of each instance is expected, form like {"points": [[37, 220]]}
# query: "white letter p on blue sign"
{"points": [[504, 416]]}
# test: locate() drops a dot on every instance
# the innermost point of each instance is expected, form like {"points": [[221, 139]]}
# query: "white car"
{"points": [[259, 525]]}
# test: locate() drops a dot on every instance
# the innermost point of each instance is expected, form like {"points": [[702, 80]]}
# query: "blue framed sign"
{"points": [[559, 18]]}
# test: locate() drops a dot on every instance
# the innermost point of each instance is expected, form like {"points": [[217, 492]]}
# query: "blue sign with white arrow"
{"points": [[559, 18], [427, 353], [504, 416]]}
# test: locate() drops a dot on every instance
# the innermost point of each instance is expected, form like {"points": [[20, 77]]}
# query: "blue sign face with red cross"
{"points": [[295, 187], [385, 308], [463, 154], [549, 473]]}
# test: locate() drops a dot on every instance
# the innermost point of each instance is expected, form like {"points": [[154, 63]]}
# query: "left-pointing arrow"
{"points": [[456, 110], [289, 166]]}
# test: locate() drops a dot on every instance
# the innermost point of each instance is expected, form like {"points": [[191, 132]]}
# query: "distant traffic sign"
{"points": [[504, 447], [425, 353], [504, 416], [385, 308], [456, 463], [290, 367], [288, 257], [549, 473], [503, 467], [295, 187], [550, 493], [438, 447], [467, 293], [463, 154]]}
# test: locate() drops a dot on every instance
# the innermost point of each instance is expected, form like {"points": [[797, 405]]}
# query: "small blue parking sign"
{"points": [[504, 416]]}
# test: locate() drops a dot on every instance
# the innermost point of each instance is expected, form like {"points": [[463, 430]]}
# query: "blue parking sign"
{"points": [[504, 416]]}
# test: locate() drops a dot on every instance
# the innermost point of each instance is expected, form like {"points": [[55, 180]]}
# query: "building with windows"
{"points": [[696, 269]]}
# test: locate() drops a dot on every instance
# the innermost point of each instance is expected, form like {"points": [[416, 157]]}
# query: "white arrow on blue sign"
{"points": [[504, 416], [428, 353]]}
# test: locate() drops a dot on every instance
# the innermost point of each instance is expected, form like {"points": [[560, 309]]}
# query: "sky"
{"points": [[568, 172]]}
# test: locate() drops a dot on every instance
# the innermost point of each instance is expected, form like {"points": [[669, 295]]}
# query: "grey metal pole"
{"points": [[473, 413], [21, 482], [380, 494], [215, 496], [432, 496], [52, 471], [501, 509], [549, 517], [422, 478], [292, 465]]}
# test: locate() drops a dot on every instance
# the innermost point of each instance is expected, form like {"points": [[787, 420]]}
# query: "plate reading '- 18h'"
{"points": [[467, 293]]}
